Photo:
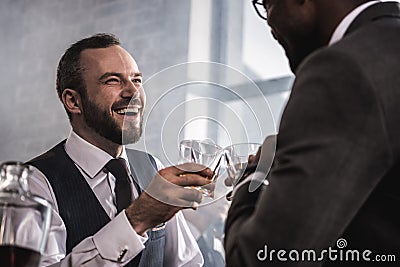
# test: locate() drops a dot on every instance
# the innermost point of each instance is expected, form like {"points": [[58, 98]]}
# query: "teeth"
{"points": [[121, 111], [133, 109], [127, 110]]}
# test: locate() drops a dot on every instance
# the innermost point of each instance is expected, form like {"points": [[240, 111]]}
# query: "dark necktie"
{"points": [[122, 189]]}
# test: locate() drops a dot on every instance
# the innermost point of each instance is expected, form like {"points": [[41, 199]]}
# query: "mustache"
{"points": [[127, 102]]}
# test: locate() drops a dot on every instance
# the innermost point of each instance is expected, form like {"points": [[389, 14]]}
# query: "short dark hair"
{"points": [[69, 71]]}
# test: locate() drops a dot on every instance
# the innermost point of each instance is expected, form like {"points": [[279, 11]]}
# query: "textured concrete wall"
{"points": [[34, 34]]}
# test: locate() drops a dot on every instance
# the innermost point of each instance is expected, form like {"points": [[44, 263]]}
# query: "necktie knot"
{"points": [[123, 194], [117, 167]]}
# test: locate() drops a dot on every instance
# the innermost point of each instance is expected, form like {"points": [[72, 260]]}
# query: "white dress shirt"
{"points": [[345, 23], [104, 247]]}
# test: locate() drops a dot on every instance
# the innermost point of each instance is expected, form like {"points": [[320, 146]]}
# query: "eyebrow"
{"points": [[108, 74]]}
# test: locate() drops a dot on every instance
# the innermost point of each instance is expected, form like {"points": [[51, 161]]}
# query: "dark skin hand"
{"points": [[251, 166]]}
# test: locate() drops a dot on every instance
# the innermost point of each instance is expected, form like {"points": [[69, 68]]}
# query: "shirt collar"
{"points": [[345, 23], [88, 157]]}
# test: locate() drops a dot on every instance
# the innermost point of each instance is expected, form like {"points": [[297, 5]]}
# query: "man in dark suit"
{"points": [[334, 184]]}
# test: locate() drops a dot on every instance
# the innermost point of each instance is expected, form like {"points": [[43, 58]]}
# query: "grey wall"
{"points": [[35, 33]]}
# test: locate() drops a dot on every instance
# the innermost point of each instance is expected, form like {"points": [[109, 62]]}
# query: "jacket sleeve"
{"points": [[332, 151]]}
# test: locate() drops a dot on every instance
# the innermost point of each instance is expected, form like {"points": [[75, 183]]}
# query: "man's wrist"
{"points": [[136, 221], [139, 216]]}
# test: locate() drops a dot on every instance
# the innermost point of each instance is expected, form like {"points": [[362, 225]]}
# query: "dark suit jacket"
{"points": [[336, 172]]}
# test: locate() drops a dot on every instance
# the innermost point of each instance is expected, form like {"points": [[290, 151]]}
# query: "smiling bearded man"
{"points": [[104, 214]]}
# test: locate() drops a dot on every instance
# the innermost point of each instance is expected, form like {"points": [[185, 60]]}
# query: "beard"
{"points": [[297, 55], [298, 36], [105, 125]]}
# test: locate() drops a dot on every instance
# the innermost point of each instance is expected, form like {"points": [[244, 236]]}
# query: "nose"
{"points": [[131, 90]]}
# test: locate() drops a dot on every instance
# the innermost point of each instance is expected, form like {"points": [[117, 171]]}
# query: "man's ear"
{"points": [[72, 101]]}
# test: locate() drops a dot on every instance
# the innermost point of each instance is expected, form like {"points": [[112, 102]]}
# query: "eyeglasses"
{"points": [[259, 7]]}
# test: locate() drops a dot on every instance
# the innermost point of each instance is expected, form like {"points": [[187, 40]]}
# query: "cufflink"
{"points": [[122, 254]]}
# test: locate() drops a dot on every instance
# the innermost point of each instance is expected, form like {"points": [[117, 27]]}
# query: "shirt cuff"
{"points": [[256, 179], [117, 241]]}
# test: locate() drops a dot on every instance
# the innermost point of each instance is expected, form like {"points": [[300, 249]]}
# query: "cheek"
{"points": [[278, 25], [104, 102], [286, 31]]}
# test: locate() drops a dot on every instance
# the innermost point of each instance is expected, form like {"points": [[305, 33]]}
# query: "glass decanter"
{"points": [[24, 218]]}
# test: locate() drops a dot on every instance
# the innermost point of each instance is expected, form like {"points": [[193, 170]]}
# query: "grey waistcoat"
{"points": [[79, 208]]}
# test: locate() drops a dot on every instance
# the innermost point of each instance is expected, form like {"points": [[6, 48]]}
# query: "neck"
{"points": [[99, 141], [331, 13]]}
